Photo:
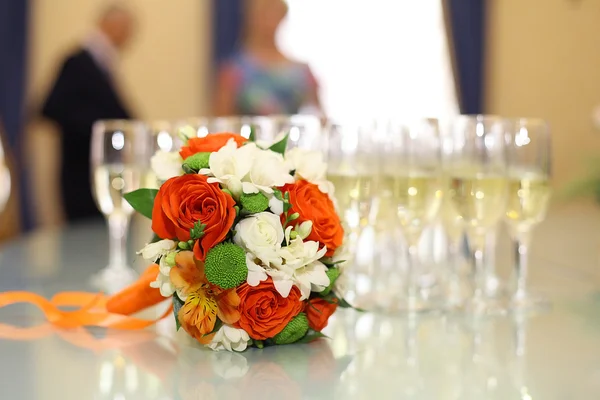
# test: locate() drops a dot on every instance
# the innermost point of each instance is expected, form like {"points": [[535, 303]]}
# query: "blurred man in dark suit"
{"points": [[86, 91]]}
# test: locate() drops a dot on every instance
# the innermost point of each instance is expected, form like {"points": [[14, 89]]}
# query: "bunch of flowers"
{"points": [[247, 241]]}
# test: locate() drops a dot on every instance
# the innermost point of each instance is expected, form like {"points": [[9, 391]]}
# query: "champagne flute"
{"points": [[119, 157], [528, 198], [454, 230], [351, 155], [411, 184], [476, 170], [352, 167]]}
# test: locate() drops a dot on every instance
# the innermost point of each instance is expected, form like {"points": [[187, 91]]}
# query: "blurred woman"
{"points": [[258, 79]]}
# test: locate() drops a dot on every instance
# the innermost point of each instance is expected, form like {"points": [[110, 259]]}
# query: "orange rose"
{"points": [[313, 205], [184, 200], [318, 311], [263, 312], [210, 143]]}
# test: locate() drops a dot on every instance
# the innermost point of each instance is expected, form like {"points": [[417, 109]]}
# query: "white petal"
{"points": [[205, 171], [240, 346], [232, 334], [316, 274], [283, 286], [248, 187], [276, 205]]}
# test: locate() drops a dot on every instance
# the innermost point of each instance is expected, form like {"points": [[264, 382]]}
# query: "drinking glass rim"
{"points": [[479, 118], [119, 124], [258, 118]]}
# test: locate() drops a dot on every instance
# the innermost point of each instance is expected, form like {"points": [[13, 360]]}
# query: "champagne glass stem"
{"points": [[480, 272], [117, 230], [454, 278], [411, 272], [521, 252]]}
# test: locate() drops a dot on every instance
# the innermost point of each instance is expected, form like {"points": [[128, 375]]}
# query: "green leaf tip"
{"points": [[197, 231], [332, 274], [177, 304], [142, 200], [280, 146]]}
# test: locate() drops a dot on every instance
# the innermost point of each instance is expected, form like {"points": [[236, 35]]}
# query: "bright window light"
{"points": [[374, 58]]}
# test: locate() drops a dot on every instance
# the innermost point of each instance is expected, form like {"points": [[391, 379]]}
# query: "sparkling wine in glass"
{"points": [[529, 193], [351, 155], [353, 169], [476, 169], [411, 184], [119, 158]]}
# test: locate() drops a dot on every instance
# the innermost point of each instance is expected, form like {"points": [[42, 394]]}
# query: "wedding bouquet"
{"points": [[248, 241]]}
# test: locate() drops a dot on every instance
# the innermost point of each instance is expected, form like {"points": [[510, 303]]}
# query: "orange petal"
{"points": [[228, 307], [185, 275]]}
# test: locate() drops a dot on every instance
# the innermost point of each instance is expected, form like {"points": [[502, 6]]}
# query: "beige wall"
{"points": [[165, 69], [544, 60]]}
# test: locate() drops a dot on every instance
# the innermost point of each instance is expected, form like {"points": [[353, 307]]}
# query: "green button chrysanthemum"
{"points": [[332, 274], [225, 265], [196, 162], [293, 331], [254, 202]]}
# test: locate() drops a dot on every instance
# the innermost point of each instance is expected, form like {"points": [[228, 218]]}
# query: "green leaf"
{"points": [[252, 137], [142, 200], [280, 146], [186, 168], [197, 231], [277, 194], [155, 238], [259, 343], [311, 336], [177, 304]]}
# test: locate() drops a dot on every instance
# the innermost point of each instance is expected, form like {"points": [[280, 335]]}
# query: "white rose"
{"points": [[166, 164], [230, 164], [230, 338], [268, 171], [152, 252], [260, 234]]}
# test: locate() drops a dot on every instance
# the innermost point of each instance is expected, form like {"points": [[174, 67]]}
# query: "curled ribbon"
{"points": [[92, 309]]}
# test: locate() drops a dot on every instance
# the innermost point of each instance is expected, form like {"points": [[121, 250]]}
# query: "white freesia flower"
{"points": [[261, 234], [152, 252], [309, 165], [230, 338], [300, 266], [230, 165], [166, 164], [276, 205], [304, 229], [256, 273], [268, 171]]}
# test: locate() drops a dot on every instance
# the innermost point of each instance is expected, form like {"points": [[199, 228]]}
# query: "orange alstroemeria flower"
{"points": [[204, 302]]}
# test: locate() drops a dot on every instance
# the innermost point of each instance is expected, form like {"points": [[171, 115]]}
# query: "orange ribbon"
{"points": [[91, 310]]}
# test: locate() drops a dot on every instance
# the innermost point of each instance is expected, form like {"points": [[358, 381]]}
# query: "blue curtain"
{"points": [[13, 50], [227, 26], [467, 33]]}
